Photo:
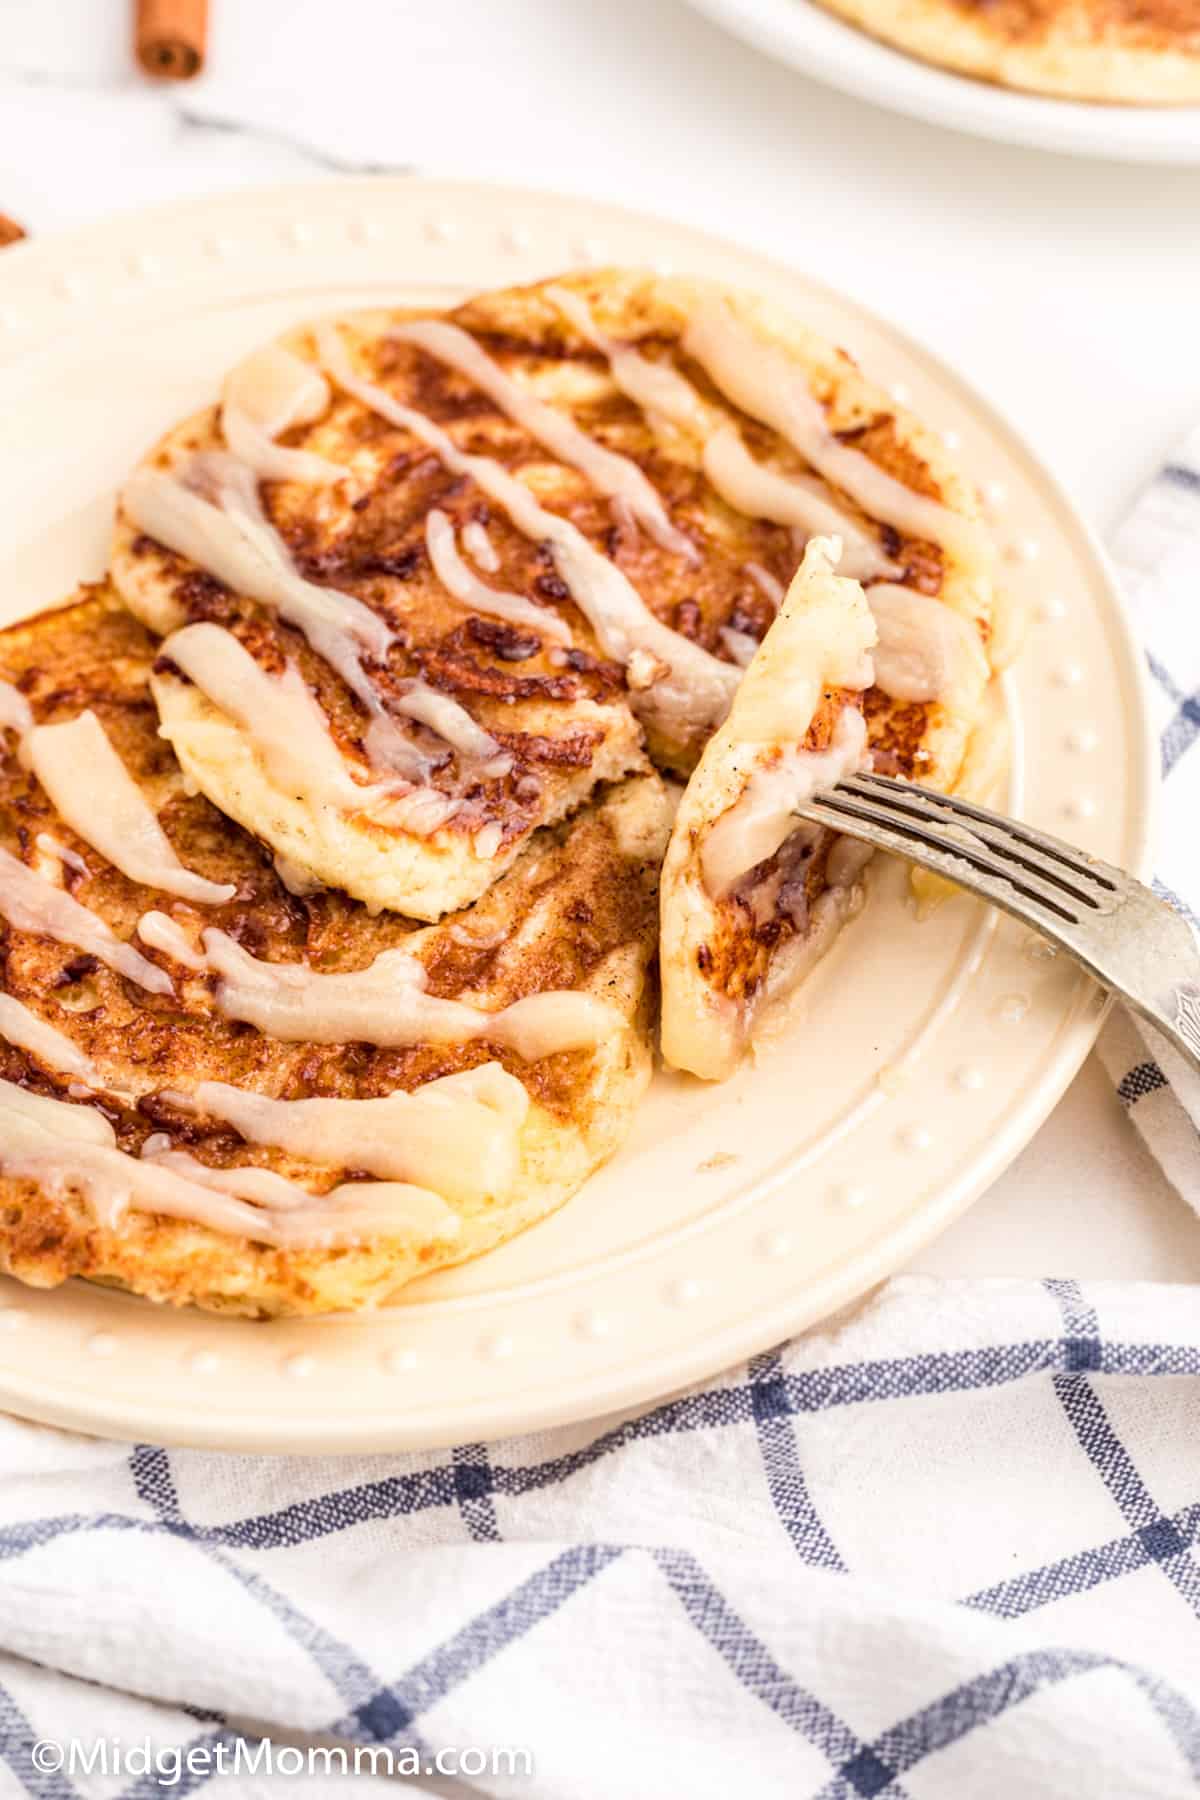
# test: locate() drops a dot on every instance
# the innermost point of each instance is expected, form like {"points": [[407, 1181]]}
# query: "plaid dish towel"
{"points": [[1157, 552], [944, 1550], [944, 1547]]}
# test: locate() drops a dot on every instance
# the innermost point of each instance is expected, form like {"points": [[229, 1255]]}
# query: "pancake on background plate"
{"points": [[466, 561], [1140, 52], [203, 1097]]}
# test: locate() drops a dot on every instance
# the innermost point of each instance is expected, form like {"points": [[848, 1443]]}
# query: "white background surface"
{"points": [[1069, 292]]}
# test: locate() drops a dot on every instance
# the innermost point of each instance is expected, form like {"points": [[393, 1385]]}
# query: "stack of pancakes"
{"points": [[399, 641]]}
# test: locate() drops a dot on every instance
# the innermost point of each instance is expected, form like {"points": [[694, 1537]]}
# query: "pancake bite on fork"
{"points": [[751, 896]]}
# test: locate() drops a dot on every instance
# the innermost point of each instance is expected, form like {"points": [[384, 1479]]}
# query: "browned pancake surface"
{"points": [[1145, 24], [1135, 52], [373, 545], [579, 911]]}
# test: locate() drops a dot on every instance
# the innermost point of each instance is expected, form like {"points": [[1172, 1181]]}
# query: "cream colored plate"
{"points": [[734, 1216]]}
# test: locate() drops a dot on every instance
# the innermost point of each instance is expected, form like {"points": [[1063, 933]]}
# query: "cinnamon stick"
{"points": [[10, 231], [170, 37]]}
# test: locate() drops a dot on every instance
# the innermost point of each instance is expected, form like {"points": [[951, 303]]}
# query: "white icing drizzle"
{"points": [[740, 480], [350, 1213], [386, 1004], [423, 812], [449, 720], [767, 584], [623, 518], [270, 461], [23, 1029], [470, 591], [77, 1124], [231, 537], [224, 530], [64, 1148], [480, 547], [210, 512], [769, 385], [160, 932], [607, 470], [49, 845], [489, 941], [819, 649], [33, 905], [749, 487], [758, 823], [457, 1135], [94, 792], [488, 841], [16, 714], [698, 688], [262, 1186], [740, 645], [279, 714], [643, 669], [393, 754], [654, 386], [925, 651], [266, 394]]}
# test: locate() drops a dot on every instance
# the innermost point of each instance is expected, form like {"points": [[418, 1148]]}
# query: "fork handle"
{"points": [[1141, 948], [1146, 952], [1177, 1017]]}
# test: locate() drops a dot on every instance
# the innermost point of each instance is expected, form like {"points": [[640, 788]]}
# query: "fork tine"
{"points": [[1129, 940], [921, 804], [986, 874], [1083, 867]]}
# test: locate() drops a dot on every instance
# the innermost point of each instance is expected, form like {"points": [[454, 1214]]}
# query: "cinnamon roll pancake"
{"points": [[1137, 52], [425, 580], [224, 1085], [751, 895]]}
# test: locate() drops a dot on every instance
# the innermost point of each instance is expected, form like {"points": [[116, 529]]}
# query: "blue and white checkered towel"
{"points": [[942, 1548], [1157, 551]]}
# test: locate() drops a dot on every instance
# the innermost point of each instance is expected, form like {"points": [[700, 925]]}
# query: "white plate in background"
{"points": [[843, 56]]}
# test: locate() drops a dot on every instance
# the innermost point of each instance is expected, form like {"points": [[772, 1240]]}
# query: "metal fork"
{"points": [[1125, 936]]}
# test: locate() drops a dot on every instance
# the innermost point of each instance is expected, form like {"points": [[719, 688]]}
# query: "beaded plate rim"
{"points": [[815, 1223]]}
